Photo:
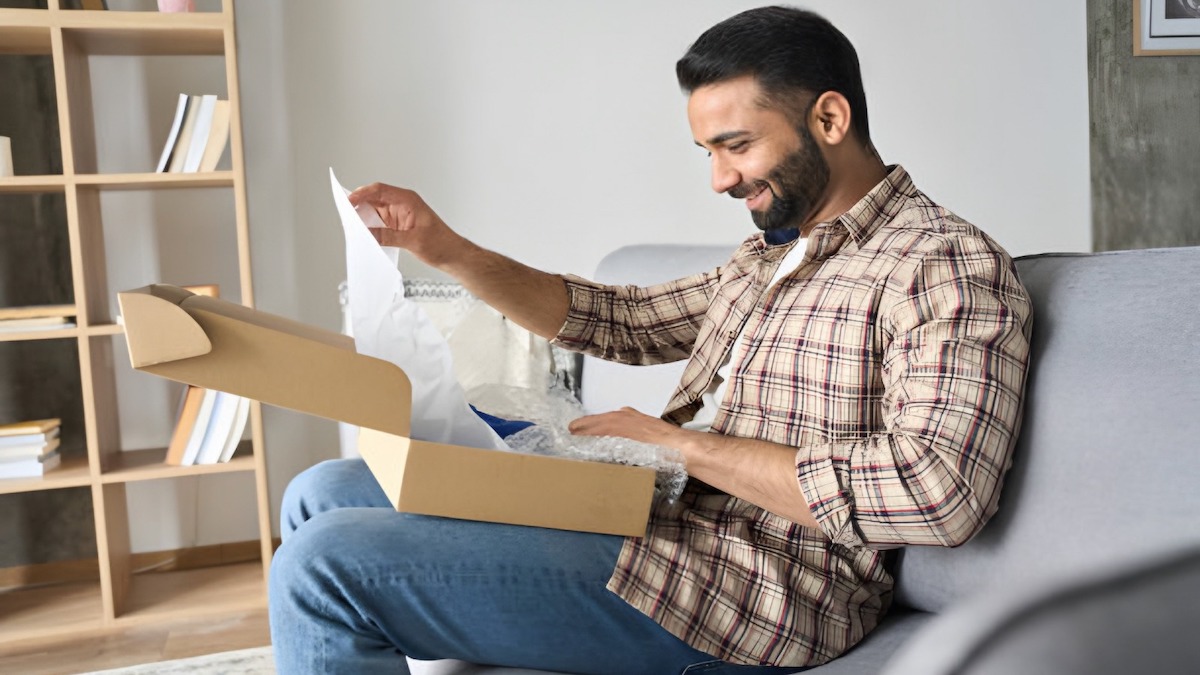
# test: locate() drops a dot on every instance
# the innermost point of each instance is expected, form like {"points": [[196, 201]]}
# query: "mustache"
{"points": [[743, 190]]}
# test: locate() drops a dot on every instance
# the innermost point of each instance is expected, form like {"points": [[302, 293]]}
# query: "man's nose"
{"points": [[724, 176]]}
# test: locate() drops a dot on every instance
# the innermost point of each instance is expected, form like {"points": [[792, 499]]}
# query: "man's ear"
{"points": [[830, 118]]}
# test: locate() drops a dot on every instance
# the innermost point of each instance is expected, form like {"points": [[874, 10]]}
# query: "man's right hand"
{"points": [[536, 300], [411, 223]]}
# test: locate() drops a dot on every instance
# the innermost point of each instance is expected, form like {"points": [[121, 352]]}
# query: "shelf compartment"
{"points": [[31, 120], [57, 609], [42, 380], [225, 589], [72, 472], [181, 233], [139, 465], [35, 250]]}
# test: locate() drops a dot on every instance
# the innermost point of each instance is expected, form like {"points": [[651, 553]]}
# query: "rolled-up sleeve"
{"points": [[635, 325], [953, 377]]}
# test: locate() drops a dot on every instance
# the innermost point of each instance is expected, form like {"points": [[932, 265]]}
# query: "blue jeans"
{"points": [[356, 586]]}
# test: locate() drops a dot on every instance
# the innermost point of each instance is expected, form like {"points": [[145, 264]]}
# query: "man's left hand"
{"points": [[628, 423]]}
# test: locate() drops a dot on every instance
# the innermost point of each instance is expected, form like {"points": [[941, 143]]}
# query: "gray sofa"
{"points": [[1092, 564]]}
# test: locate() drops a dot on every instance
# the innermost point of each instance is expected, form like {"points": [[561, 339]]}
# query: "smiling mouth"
{"points": [[753, 198]]}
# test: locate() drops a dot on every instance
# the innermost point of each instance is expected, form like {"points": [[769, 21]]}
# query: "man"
{"points": [[854, 384]]}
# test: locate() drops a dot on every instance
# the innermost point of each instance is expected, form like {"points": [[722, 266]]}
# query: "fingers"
{"points": [[602, 424], [366, 193], [584, 426], [387, 237], [380, 194]]}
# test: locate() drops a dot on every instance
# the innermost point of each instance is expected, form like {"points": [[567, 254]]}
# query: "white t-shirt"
{"points": [[715, 393]]}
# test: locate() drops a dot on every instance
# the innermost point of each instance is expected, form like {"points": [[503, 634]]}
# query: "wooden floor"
{"points": [[141, 644]]}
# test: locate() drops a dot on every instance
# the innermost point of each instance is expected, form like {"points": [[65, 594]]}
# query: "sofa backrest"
{"points": [[1107, 465], [1108, 462], [608, 386]]}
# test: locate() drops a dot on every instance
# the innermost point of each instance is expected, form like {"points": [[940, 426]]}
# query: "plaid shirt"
{"points": [[893, 359]]}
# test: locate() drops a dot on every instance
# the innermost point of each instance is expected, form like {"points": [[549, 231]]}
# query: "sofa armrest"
{"points": [[1126, 618]]}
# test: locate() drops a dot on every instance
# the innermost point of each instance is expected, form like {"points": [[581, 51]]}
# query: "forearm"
{"points": [[759, 472], [533, 299]]}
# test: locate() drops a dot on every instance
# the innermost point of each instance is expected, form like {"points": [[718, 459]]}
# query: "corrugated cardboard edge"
{"points": [[554, 492]]}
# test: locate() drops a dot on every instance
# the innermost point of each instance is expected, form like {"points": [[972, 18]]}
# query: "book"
{"points": [[30, 468], [199, 429], [18, 453], [184, 424], [200, 131], [181, 108], [39, 323], [26, 440], [220, 424], [235, 433], [184, 140], [31, 428], [218, 137]]}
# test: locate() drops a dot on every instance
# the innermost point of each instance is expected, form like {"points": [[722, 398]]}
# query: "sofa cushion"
{"points": [[870, 655], [1129, 619], [1108, 459]]}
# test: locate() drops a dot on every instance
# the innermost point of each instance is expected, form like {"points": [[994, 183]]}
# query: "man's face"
{"points": [[758, 154]]}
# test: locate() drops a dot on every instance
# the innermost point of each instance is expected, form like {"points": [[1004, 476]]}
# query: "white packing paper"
{"points": [[388, 326]]}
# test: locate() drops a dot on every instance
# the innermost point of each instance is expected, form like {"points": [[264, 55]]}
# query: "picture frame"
{"points": [[1166, 27]]}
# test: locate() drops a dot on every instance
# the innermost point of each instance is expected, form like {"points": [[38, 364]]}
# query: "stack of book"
{"points": [[198, 135], [29, 449], [209, 427], [36, 317]]}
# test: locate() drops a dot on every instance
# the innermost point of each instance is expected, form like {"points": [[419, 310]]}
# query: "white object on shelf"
{"points": [[6, 167]]}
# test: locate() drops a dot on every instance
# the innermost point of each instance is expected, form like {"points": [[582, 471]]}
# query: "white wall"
{"points": [[554, 131]]}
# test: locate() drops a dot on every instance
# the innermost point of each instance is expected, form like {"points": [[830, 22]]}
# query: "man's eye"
{"points": [[740, 146]]}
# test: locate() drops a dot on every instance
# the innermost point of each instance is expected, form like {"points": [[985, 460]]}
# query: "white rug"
{"points": [[256, 661]]}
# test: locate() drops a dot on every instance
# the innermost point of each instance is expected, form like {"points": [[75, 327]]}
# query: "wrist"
{"points": [[452, 253], [694, 446]]}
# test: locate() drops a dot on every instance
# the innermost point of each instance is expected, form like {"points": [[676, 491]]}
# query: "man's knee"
{"points": [[326, 486], [311, 557]]}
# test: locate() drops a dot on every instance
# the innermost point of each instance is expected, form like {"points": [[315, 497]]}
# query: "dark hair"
{"points": [[789, 51]]}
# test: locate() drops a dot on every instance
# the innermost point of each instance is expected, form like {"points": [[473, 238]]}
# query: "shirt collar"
{"points": [[879, 206]]}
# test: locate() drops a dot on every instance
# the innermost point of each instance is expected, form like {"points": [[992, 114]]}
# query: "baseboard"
{"points": [[66, 571]]}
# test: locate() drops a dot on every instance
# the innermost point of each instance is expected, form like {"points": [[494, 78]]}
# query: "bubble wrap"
{"points": [[551, 410]]}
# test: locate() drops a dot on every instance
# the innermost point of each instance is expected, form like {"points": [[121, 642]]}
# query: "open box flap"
{"points": [[176, 335], [267, 358]]}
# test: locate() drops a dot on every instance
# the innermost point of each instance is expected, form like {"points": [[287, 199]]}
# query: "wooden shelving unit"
{"points": [[120, 596]]}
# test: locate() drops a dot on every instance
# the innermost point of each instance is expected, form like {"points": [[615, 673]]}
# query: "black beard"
{"points": [[802, 178]]}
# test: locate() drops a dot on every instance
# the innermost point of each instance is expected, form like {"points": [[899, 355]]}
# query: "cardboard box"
{"points": [[213, 343]]}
